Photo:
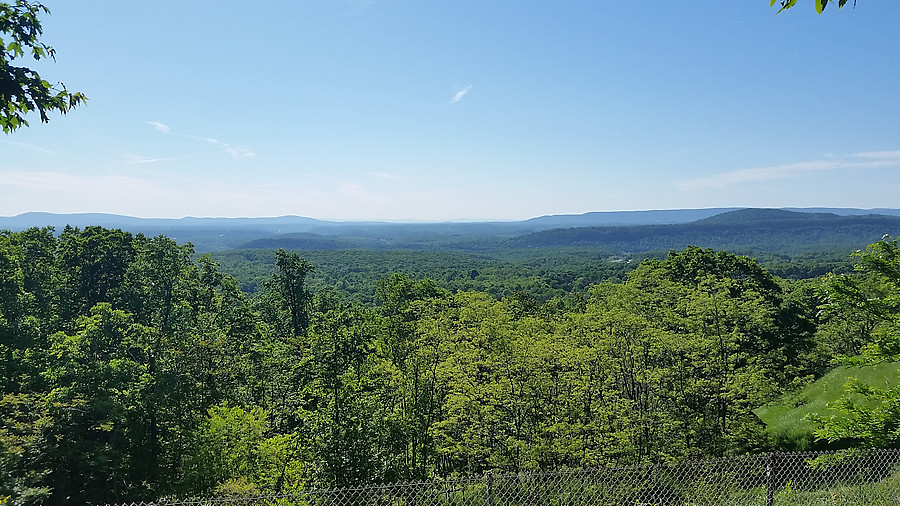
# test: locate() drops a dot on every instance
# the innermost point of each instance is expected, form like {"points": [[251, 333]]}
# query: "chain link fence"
{"points": [[770, 479]]}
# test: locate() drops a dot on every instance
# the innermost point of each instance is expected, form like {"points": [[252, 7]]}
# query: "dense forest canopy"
{"points": [[133, 369]]}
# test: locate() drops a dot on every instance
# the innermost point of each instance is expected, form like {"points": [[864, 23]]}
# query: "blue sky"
{"points": [[470, 109]]}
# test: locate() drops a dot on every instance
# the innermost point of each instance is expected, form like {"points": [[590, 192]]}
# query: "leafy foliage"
{"points": [[869, 415], [134, 370], [22, 90], [819, 4], [788, 420]]}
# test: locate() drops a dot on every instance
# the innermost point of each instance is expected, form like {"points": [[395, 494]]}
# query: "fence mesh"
{"points": [[771, 479]]}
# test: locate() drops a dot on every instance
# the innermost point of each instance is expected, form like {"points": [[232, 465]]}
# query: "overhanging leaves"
{"points": [[22, 90]]}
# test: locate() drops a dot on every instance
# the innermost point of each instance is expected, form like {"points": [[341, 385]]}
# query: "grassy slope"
{"points": [[785, 419]]}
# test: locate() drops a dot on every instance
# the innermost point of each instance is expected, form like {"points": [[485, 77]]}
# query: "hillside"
{"points": [[787, 419], [765, 230]]}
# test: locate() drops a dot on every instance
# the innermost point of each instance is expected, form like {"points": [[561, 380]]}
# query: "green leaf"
{"points": [[841, 3], [787, 4], [15, 49], [820, 5]]}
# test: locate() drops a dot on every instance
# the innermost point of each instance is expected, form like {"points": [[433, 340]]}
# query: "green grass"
{"points": [[786, 420]]}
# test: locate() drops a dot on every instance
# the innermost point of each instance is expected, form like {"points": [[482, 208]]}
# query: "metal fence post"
{"points": [[489, 488], [770, 479]]}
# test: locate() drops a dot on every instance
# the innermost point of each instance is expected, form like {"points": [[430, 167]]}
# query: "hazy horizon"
{"points": [[459, 220]]}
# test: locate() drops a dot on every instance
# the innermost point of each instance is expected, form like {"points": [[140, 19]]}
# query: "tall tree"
{"points": [[347, 417], [91, 264], [410, 358], [290, 281], [99, 400]]}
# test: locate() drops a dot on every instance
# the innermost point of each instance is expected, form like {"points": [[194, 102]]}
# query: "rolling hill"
{"points": [[769, 230]]}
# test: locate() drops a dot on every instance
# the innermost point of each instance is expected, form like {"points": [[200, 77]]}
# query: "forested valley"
{"points": [[133, 368]]}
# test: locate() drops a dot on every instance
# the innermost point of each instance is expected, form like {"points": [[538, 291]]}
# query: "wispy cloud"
{"points": [[28, 146], [882, 155], [140, 195], [866, 160], [460, 94], [59, 183], [139, 192], [132, 159], [233, 151], [160, 127], [736, 177]]}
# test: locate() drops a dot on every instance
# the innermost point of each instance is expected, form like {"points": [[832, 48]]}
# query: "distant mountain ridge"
{"points": [[622, 230], [760, 229], [620, 218], [759, 216], [304, 224], [39, 219]]}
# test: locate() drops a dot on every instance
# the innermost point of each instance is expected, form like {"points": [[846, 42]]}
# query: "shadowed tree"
{"points": [[290, 281]]}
